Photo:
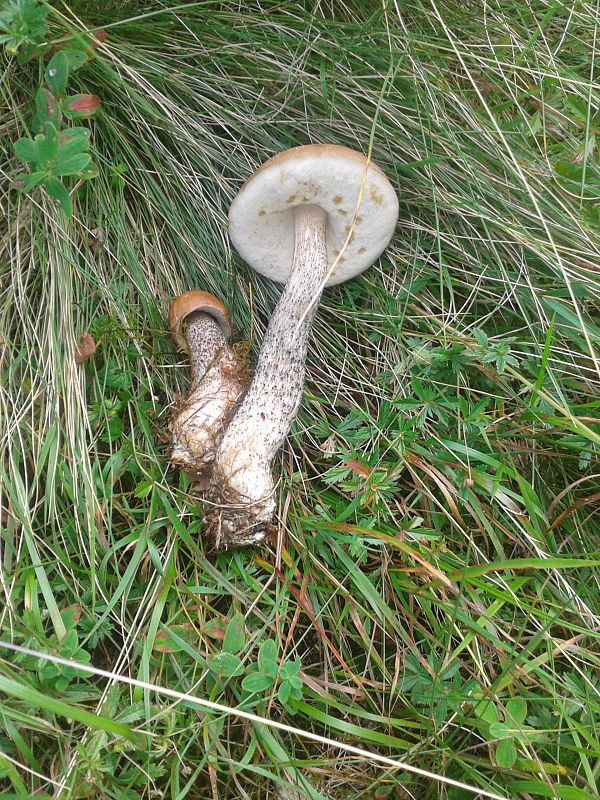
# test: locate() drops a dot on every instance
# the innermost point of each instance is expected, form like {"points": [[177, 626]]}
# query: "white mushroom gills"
{"points": [[290, 221], [215, 387]]}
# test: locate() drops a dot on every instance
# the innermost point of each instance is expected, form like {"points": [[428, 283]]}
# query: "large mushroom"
{"points": [[310, 217], [216, 384]]}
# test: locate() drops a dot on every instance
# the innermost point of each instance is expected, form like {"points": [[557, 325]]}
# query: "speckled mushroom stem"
{"points": [[204, 338], [216, 385], [242, 487]]}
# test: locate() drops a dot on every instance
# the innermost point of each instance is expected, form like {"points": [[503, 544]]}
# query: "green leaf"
{"points": [[481, 337], [74, 140], [234, 638], [486, 710], [57, 73], [25, 150], [227, 665], [32, 50], [69, 643], [516, 711], [71, 165], [46, 145], [48, 110], [498, 730], [33, 180], [290, 669], [143, 489], [91, 171], [284, 692], [257, 682], [57, 191], [552, 790], [69, 615], [506, 754], [75, 57], [24, 23], [296, 692], [267, 658]]}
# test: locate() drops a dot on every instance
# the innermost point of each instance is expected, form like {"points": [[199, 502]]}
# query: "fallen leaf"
{"points": [[84, 348]]}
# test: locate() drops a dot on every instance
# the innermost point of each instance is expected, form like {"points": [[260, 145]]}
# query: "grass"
{"points": [[437, 592]]}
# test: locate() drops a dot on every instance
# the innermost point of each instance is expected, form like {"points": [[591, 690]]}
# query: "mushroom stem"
{"points": [[204, 339], [242, 485], [215, 387]]}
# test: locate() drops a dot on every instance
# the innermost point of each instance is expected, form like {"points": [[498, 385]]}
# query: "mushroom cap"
{"points": [[261, 217], [196, 300]]}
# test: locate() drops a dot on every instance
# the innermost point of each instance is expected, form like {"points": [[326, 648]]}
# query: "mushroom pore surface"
{"points": [[261, 217]]}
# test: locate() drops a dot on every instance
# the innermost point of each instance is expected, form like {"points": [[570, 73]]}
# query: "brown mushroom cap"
{"points": [[196, 300]]}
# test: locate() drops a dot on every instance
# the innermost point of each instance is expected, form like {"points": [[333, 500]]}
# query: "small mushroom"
{"points": [[217, 381], [290, 222]]}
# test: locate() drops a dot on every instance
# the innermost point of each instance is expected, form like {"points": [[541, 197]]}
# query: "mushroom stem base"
{"points": [[236, 519]]}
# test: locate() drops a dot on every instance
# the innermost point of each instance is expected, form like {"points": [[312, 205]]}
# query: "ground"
{"points": [[431, 593]]}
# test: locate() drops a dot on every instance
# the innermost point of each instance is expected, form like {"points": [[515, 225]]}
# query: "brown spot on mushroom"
{"points": [[291, 199], [261, 213], [376, 197], [341, 260], [342, 212], [337, 200], [358, 220], [361, 250]]}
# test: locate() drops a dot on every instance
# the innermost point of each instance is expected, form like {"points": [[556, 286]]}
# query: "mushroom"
{"points": [[217, 381], [310, 217]]}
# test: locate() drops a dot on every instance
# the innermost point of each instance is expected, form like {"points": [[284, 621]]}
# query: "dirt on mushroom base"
{"points": [[229, 522], [200, 417]]}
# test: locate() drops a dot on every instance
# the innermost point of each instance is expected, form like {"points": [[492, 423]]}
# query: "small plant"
{"points": [[227, 663], [56, 152], [267, 674], [51, 157], [497, 353], [507, 734], [54, 677], [23, 26]]}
